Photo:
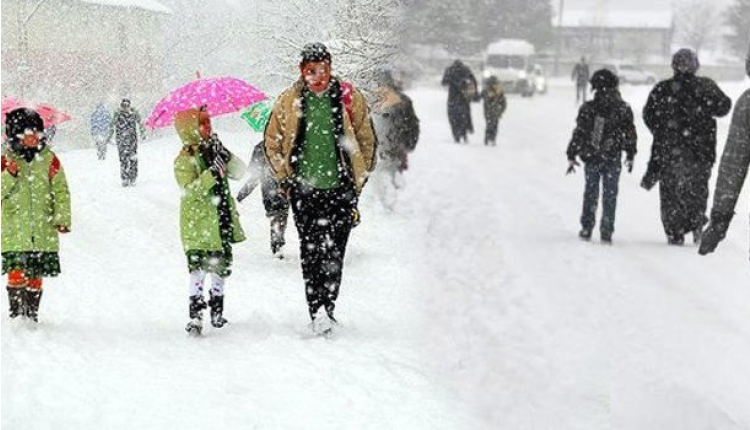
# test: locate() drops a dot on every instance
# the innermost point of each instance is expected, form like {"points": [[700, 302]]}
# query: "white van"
{"points": [[512, 62]]}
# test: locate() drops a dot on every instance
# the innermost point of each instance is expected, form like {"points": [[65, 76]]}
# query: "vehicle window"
{"points": [[506, 61], [628, 68]]}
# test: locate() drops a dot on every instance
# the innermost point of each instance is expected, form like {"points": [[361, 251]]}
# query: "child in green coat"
{"points": [[209, 221], [35, 208]]}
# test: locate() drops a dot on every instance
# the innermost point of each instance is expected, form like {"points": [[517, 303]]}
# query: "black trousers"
{"points": [[127, 149], [324, 221], [490, 132]]}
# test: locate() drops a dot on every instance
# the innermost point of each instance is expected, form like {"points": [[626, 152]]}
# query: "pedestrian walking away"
{"points": [[681, 114], [732, 172], [397, 130], [494, 107], [605, 129], [462, 90]]}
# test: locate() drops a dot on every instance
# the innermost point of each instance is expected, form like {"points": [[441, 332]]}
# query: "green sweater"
{"points": [[318, 165]]}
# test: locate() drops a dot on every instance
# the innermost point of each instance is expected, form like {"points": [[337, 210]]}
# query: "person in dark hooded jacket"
{"points": [[462, 89], [732, 172], [681, 112], [494, 107], [604, 130]]}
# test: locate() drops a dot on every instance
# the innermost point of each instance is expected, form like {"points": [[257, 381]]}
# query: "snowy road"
{"points": [[473, 306]]}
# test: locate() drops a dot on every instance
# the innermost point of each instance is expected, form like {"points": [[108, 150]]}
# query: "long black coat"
{"points": [[462, 89], [681, 112], [604, 130]]}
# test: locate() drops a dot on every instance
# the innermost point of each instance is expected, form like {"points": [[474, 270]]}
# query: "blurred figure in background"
{"points": [[494, 107], [397, 130], [124, 123], [462, 89], [581, 77], [100, 122]]}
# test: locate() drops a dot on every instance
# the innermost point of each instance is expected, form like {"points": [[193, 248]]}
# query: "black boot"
{"points": [[17, 299], [217, 309], [33, 297], [195, 311]]}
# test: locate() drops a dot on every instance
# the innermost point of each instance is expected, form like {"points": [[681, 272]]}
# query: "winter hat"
{"points": [[18, 120], [685, 61], [604, 79], [314, 52]]}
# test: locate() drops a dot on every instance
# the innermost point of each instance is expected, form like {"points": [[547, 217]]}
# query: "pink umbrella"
{"points": [[219, 96], [50, 115]]}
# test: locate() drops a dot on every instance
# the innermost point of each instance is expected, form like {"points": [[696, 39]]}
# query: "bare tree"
{"points": [[697, 24]]}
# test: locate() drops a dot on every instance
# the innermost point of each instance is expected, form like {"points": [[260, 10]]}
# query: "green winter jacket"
{"points": [[199, 218], [34, 202]]}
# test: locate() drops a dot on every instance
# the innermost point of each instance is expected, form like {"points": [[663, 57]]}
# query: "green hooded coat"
{"points": [[199, 218], [34, 202]]}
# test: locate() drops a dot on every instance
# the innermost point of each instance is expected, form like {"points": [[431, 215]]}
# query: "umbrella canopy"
{"points": [[219, 96], [257, 115], [50, 115]]}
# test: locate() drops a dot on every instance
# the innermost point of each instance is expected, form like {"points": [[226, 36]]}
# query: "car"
{"points": [[510, 61], [631, 74]]}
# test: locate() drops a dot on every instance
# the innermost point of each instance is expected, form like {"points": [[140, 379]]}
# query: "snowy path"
{"points": [[472, 306]]}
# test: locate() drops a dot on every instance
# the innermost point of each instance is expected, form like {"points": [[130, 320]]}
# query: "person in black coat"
{"points": [[274, 200], [462, 89], [604, 130], [494, 107], [681, 112]]}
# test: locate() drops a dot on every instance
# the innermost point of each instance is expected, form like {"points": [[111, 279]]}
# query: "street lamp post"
{"points": [[558, 37]]}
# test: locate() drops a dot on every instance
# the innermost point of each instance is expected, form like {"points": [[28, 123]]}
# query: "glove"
{"points": [[220, 151], [219, 167], [62, 229], [715, 233], [572, 164], [648, 182], [629, 165]]}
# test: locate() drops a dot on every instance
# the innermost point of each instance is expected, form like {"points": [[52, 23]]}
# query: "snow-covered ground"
{"points": [[472, 306]]}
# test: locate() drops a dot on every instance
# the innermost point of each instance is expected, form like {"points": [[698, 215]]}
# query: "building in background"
{"points": [[77, 53], [637, 36]]}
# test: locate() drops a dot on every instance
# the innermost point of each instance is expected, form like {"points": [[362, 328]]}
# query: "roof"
{"points": [[149, 5], [660, 19], [511, 47]]}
